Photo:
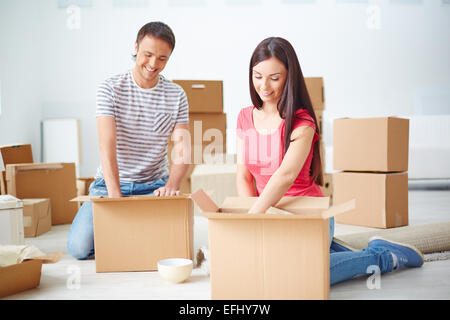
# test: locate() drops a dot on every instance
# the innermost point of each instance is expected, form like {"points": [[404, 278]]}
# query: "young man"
{"points": [[137, 113]]}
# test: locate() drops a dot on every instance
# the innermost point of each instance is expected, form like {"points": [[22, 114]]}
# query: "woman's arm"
{"points": [[244, 179], [106, 128], [285, 175]]}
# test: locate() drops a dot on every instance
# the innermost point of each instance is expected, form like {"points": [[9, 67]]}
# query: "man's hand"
{"points": [[166, 192]]}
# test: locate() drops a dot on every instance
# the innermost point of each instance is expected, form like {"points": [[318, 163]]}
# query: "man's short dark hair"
{"points": [[158, 30]]}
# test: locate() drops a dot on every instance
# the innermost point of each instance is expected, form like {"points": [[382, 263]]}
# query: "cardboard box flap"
{"points": [[338, 209], [19, 153], [124, 198], [205, 203], [48, 258], [37, 166]]}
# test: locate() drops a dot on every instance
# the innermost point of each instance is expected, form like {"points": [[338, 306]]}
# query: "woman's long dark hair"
{"points": [[295, 95]]}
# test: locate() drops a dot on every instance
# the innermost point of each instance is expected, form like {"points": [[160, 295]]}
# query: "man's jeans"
{"points": [[80, 242], [346, 264]]}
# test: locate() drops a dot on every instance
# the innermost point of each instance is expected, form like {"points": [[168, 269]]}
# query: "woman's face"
{"points": [[269, 77]]}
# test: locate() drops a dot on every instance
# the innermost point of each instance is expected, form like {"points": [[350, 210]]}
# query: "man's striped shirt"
{"points": [[145, 119]]}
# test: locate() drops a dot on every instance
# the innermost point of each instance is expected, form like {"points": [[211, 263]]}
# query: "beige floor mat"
{"points": [[429, 238]]}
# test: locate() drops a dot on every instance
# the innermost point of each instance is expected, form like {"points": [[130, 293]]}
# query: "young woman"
{"points": [[279, 151]]}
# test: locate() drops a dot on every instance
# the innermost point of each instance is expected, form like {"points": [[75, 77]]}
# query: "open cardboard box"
{"points": [[282, 254], [55, 181], [133, 233], [24, 275]]}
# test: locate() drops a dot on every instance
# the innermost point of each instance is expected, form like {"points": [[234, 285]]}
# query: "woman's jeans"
{"points": [[346, 264], [80, 242]]}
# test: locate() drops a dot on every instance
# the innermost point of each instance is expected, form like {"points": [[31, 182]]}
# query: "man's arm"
{"points": [[181, 160], [106, 128]]}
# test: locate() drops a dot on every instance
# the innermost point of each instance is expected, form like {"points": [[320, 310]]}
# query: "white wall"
{"points": [[20, 76], [367, 72]]}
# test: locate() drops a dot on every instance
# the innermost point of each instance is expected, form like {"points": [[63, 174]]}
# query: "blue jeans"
{"points": [[346, 264], [80, 242]]}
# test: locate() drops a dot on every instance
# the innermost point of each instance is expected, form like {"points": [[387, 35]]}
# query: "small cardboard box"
{"points": [[133, 233], [371, 144], [204, 96], [282, 254], [314, 85], [56, 181], [37, 217], [381, 198], [25, 275]]}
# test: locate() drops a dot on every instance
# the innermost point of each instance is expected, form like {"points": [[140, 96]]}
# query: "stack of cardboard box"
{"points": [[207, 121], [373, 154]]}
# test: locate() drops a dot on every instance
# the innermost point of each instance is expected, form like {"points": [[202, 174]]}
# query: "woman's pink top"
{"points": [[263, 153]]}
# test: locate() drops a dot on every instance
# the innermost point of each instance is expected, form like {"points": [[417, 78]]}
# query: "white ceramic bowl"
{"points": [[175, 270]]}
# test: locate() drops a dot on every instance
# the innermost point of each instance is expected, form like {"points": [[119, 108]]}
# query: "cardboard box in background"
{"points": [[199, 124], [220, 179], [314, 85], [319, 118], [272, 255], [133, 233], [3, 182], [83, 185], [204, 96], [56, 181], [327, 188], [381, 198], [20, 153], [204, 129], [37, 217], [25, 275], [371, 144]]}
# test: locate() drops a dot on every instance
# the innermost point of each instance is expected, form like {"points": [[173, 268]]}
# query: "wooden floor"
{"points": [[58, 281]]}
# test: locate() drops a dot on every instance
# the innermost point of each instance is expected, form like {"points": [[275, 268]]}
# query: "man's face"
{"points": [[152, 55]]}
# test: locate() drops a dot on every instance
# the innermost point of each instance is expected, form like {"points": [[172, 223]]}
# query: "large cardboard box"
{"points": [[314, 85], [56, 181], [381, 198], [24, 275], [283, 254], [204, 96], [133, 233], [219, 179], [371, 144], [11, 220], [37, 217]]}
